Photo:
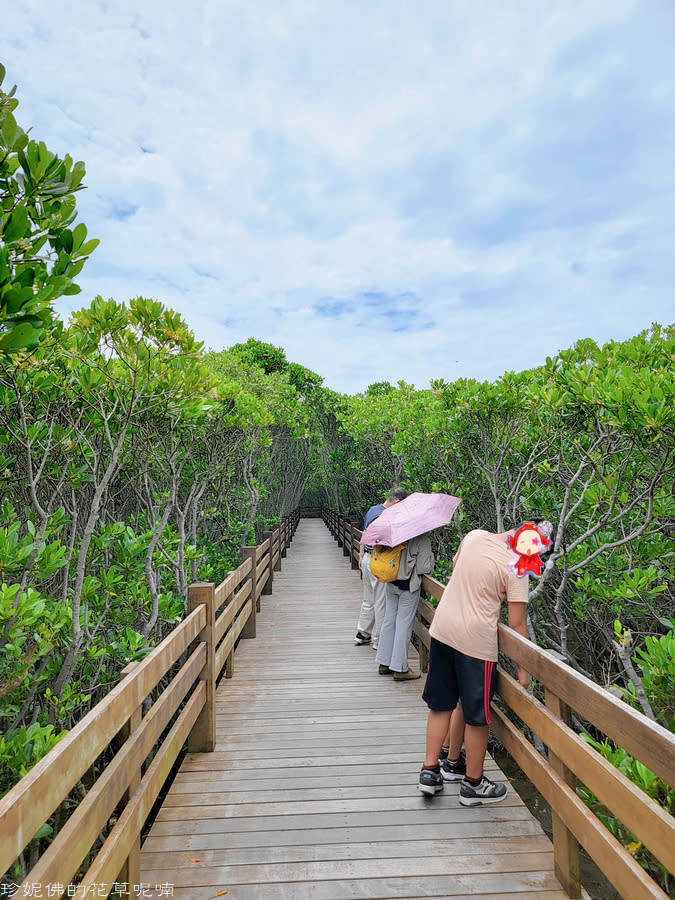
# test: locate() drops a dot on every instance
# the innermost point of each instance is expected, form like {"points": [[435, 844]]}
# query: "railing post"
{"points": [[276, 542], [202, 738], [131, 870], [566, 860], [285, 522], [354, 543], [249, 629], [422, 651], [267, 587]]}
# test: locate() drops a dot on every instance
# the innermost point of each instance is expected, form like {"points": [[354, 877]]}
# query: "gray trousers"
{"points": [[399, 616]]}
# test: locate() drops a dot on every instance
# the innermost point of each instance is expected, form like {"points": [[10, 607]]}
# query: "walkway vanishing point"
{"points": [[311, 790]]}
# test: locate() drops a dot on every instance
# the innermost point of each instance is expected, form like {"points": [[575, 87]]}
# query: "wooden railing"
{"points": [[162, 702], [570, 760], [346, 533], [311, 512]]}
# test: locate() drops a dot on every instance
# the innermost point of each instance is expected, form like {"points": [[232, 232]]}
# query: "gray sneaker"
{"points": [[485, 792], [430, 782]]}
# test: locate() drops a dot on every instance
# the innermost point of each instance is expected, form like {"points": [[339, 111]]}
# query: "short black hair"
{"points": [[551, 534], [397, 493]]}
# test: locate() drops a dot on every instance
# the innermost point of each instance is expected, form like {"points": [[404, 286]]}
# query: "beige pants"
{"points": [[372, 607]]}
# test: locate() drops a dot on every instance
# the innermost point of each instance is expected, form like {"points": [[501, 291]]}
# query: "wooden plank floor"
{"points": [[311, 792]]}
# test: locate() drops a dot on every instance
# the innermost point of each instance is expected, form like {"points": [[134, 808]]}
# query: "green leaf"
{"points": [[79, 234], [89, 247], [9, 129], [14, 299], [66, 240], [17, 225], [21, 337]]}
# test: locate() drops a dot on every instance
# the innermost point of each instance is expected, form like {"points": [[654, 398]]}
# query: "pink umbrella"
{"points": [[415, 515]]}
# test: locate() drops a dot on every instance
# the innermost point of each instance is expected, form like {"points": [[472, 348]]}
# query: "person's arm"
{"points": [[362, 547], [421, 555], [518, 621], [362, 550]]}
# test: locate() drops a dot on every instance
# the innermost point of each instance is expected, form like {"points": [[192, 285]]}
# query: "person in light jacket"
{"points": [[402, 599], [374, 591]]}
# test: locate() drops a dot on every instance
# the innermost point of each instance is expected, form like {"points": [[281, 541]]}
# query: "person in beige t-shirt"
{"points": [[464, 652], [468, 612]]}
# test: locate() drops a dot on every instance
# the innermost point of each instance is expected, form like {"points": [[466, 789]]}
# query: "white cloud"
{"points": [[248, 162]]}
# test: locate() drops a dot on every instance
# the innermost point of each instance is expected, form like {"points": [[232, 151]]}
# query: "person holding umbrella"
{"points": [[408, 522], [402, 599]]}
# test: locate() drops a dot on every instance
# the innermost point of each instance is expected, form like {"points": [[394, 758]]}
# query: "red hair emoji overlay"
{"points": [[528, 542]]}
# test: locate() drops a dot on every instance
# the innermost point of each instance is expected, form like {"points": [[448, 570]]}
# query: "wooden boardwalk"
{"points": [[311, 792]]}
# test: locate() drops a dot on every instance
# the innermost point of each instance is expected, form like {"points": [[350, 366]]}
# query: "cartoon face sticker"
{"points": [[528, 542]]}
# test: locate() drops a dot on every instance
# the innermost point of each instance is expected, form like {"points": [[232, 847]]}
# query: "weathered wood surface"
{"points": [[311, 791]]}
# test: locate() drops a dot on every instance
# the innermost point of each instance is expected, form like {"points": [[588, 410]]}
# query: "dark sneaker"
{"points": [[385, 670], [430, 782], [362, 638], [485, 792], [454, 771], [408, 675], [443, 754]]}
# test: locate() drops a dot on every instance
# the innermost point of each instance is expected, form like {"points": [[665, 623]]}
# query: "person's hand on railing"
{"points": [[524, 678]]}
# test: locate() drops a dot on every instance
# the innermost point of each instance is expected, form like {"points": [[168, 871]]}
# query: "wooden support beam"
{"points": [[566, 859], [267, 586], [276, 542], [249, 630], [131, 870], [202, 737]]}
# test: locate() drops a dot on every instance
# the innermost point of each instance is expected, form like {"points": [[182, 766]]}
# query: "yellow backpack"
{"points": [[384, 562]]}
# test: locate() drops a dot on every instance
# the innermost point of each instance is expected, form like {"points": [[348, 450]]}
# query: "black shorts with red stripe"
{"points": [[455, 676]]}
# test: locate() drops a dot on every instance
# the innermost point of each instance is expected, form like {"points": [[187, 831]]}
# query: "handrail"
{"points": [[570, 759], [129, 729]]}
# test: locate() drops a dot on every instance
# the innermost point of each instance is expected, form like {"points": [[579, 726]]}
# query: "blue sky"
{"points": [[387, 190]]}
